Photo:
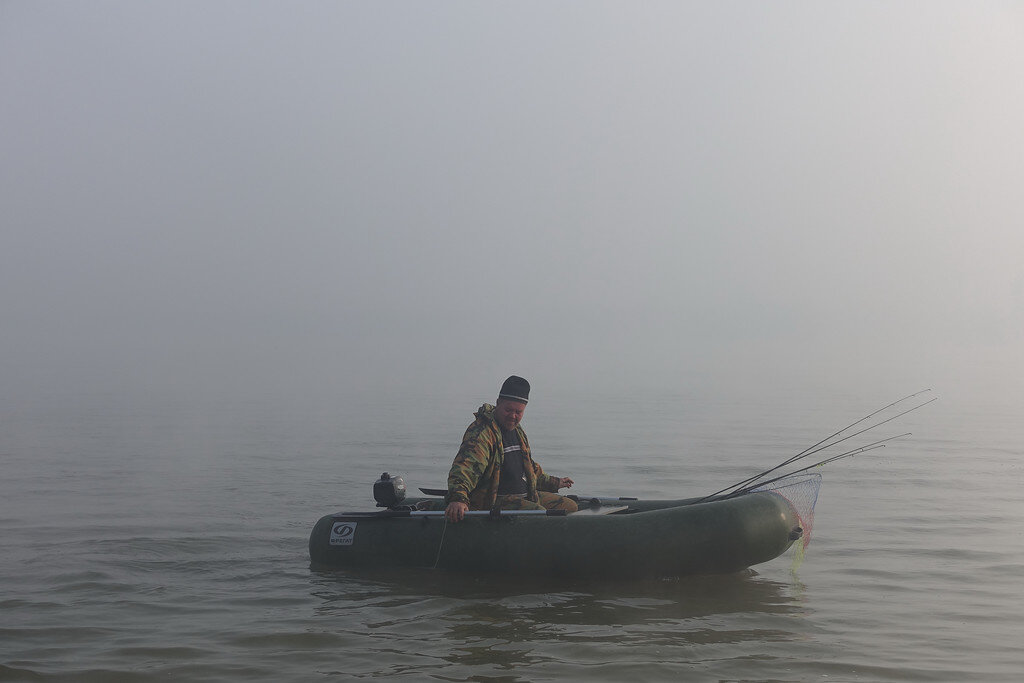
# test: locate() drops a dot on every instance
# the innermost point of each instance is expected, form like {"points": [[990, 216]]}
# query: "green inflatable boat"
{"points": [[606, 538]]}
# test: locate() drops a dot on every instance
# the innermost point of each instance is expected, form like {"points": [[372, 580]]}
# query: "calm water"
{"points": [[156, 539]]}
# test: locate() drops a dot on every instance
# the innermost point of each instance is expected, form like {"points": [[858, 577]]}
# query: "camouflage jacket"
{"points": [[474, 476]]}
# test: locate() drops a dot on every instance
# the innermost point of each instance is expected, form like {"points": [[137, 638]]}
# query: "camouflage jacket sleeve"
{"points": [[474, 461], [544, 481]]}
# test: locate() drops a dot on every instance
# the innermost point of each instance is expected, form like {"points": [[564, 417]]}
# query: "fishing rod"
{"points": [[856, 451], [765, 482], [754, 481], [811, 450]]}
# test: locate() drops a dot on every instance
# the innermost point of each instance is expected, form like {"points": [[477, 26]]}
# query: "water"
{"points": [[163, 539]]}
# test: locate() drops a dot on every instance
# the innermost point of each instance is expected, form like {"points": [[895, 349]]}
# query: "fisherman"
{"points": [[493, 468]]}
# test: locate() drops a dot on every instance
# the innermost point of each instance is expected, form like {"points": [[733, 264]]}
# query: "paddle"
{"points": [[474, 513], [434, 492]]}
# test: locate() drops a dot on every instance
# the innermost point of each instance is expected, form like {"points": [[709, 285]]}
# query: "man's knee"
{"points": [[517, 503], [553, 501]]}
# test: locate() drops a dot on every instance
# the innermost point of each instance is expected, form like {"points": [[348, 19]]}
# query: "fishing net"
{"points": [[801, 490]]}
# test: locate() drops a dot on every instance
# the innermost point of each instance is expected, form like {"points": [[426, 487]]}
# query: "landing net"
{"points": [[801, 490]]}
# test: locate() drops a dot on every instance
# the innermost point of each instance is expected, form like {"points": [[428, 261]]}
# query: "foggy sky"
{"points": [[346, 196]]}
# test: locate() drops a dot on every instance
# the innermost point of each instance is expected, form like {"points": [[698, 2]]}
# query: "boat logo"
{"points": [[343, 533]]}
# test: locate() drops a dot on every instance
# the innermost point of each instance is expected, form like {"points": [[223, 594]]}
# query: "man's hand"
{"points": [[455, 511], [563, 482]]}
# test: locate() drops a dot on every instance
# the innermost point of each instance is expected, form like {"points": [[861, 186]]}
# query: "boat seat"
{"points": [[600, 510]]}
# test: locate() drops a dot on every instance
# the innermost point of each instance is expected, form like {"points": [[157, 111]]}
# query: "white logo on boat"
{"points": [[343, 533]]}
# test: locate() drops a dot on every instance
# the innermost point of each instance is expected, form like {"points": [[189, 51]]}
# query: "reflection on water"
{"points": [[559, 601], [519, 623]]}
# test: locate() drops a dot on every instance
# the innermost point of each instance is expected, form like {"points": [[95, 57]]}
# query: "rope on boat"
{"points": [[441, 543]]}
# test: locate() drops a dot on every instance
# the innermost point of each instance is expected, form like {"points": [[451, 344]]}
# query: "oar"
{"points": [[434, 492], [473, 513]]}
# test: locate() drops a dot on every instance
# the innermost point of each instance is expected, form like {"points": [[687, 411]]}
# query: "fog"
{"points": [[327, 198]]}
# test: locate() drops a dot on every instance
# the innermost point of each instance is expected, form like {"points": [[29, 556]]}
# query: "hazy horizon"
{"points": [[326, 198]]}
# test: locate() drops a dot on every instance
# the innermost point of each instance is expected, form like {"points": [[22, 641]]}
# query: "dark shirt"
{"points": [[513, 476]]}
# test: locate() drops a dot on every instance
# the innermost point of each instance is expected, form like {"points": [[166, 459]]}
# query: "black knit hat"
{"points": [[515, 389]]}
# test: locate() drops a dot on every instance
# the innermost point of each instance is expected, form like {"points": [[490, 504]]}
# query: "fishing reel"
{"points": [[388, 491]]}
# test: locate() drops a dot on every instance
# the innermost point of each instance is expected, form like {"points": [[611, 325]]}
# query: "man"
{"points": [[493, 468]]}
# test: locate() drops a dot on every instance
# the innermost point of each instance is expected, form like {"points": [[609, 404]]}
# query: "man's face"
{"points": [[509, 413]]}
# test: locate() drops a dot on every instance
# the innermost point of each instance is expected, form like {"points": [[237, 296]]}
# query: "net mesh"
{"points": [[801, 490]]}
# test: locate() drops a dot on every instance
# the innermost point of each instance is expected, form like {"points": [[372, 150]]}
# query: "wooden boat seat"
{"points": [[602, 510]]}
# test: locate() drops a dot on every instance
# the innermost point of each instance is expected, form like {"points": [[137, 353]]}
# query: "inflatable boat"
{"points": [[605, 538]]}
